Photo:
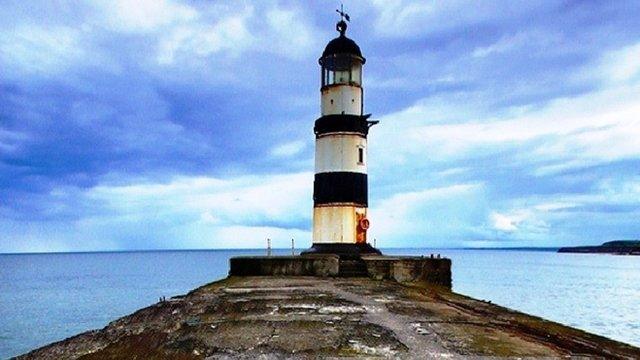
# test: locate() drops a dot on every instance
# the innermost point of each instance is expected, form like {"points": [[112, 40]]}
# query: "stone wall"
{"points": [[410, 269], [403, 269], [308, 265]]}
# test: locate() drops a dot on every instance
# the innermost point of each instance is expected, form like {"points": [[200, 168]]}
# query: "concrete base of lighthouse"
{"points": [[403, 269], [342, 250]]}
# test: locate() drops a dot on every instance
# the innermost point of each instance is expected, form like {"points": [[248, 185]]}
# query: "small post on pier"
{"points": [[268, 247], [293, 247], [374, 243]]}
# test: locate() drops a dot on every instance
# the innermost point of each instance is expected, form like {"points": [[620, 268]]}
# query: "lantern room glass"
{"points": [[341, 69]]}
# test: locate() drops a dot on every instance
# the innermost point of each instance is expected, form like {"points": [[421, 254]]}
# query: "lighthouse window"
{"points": [[356, 74], [342, 77], [360, 155], [340, 69]]}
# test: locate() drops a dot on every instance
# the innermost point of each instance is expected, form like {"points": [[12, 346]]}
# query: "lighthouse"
{"points": [[340, 190]]}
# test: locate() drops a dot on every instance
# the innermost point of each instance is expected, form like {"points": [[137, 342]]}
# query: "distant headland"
{"points": [[618, 247]]}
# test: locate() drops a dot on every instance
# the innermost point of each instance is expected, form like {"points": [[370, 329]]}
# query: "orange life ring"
{"points": [[364, 223]]}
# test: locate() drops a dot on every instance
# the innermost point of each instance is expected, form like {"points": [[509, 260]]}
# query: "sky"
{"points": [[161, 124]]}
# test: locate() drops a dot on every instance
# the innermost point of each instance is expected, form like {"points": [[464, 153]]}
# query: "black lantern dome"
{"points": [[342, 45]]}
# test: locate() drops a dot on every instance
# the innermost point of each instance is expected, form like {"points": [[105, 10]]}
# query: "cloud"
{"points": [[505, 223], [570, 218], [292, 34], [400, 18], [139, 16], [10, 141], [621, 65], [580, 131], [235, 30], [523, 221], [187, 212], [543, 155], [430, 217], [288, 149], [534, 40], [40, 51], [187, 124], [228, 34], [242, 200]]}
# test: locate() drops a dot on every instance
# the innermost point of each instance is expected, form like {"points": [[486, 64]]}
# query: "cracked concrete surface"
{"points": [[305, 317]]}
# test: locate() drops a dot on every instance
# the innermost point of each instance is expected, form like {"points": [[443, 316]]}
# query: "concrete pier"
{"points": [[303, 317]]}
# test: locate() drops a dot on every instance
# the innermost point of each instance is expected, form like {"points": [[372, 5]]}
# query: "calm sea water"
{"points": [[48, 297]]}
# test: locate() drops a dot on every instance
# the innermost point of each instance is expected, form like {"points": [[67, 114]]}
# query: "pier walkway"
{"points": [[309, 317]]}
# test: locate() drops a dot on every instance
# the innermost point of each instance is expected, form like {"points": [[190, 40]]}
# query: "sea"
{"points": [[48, 297]]}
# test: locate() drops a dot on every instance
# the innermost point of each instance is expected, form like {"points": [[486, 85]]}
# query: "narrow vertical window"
{"points": [[324, 76], [360, 155]]}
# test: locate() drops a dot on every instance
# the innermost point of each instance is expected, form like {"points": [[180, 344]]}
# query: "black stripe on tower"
{"points": [[342, 123], [340, 187]]}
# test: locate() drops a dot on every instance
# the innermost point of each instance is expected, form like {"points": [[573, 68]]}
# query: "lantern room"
{"points": [[342, 60]]}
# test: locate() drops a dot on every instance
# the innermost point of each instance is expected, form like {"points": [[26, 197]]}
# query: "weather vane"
{"points": [[343, 15], [341, 26]]}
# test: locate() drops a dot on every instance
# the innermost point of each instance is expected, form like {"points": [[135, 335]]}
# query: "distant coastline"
{"points": [[618, 247]]}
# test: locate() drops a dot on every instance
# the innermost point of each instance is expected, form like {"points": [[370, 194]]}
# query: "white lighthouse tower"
{"points": [[340, 196]]}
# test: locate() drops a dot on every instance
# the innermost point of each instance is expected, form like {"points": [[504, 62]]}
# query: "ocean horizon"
{"points": [[62, 294], [297, 250]]}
